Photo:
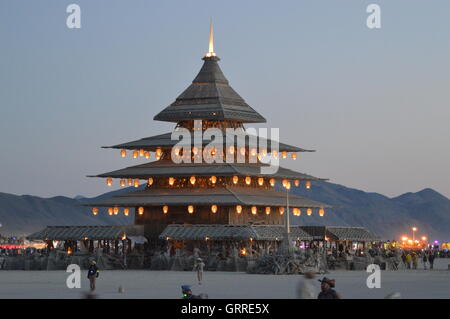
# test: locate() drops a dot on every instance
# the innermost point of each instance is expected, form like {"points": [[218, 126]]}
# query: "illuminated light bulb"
{"points": [[123, 183], [165, 209], [135, 154], [254, 210], [136, 183], [321, 212], [141, 210], [264, 152], [235, 179], [272, 182], [158, 152], [259, 157], [176, 151], [267, 210], [242, 151], [308, 184], [171, 181], [130, 181], [231, 149], [109, 181], [284, 182], [281, 210], [190, 209], [213, 179], [253, 152], [294, 156], [147, 155], [248, 180], [309, 211], [288, 185], [195, 150], [275, 154], [192, 180], [141, 152], [238, 209], [123, 153], [158, 157], [110, 211], [95, 211], [213, 151], [126, 211], [116, 210], [284, 154], [260, 181], [214, 208], [150, 181], [297, 183]]}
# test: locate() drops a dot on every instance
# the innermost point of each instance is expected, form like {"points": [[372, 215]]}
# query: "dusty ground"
{"points": [[166, 284]]}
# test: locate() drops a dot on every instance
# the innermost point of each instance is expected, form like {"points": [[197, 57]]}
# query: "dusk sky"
{"points": [[374, 103]]}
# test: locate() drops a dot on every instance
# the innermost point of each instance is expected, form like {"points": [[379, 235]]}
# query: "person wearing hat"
{"points": [[328, 292], [93, 273], [198, 266]]}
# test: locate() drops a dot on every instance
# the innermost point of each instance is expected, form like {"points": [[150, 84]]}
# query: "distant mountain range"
{"points": [[388, 217]]}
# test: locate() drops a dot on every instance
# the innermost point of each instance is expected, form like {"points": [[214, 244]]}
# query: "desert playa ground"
{"points": [[166, 284]]}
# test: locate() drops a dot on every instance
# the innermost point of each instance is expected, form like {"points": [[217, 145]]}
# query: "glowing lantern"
{"points": [[110, 211], [238, 209], [260, 157], [150, 181], [242, 151], [284, 182], [158, 152], [135, 154], [109, 181], [213, 179], [288, 185], [130, 181], [294, 156], [147, 155], [141, 152], [321, 212], [267, 210], [297, 183], [136, 183], [192, 180], [195, 150], [123, 153], [309, 211], [123, 183], [190, 209], [116, 210], [260, 181], [248, 180], [272, 182], [296, 211], [231, 149], [95, 211], [281, 210], [235, 179], [126, 211], [165, 209], [253, 152], [214, 208], [141, 210], [171, 181], [308, 184], [284, 154], [254, 210]]}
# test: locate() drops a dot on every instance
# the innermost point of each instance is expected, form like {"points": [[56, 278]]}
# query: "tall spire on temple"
{"points": [[211, 41]]}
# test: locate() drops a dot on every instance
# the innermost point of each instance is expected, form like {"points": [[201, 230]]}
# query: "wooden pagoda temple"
{"points": [[204, 192]]}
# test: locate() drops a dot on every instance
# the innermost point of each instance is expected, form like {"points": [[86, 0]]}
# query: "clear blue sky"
{"points": [[373, 103]]}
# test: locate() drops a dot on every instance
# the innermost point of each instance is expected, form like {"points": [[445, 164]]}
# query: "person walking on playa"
{"points": [[431, 259], [93, 273], [408, 260], [425, 260], [328, 292], [306, 289], [415, 260], [198, 266]]}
